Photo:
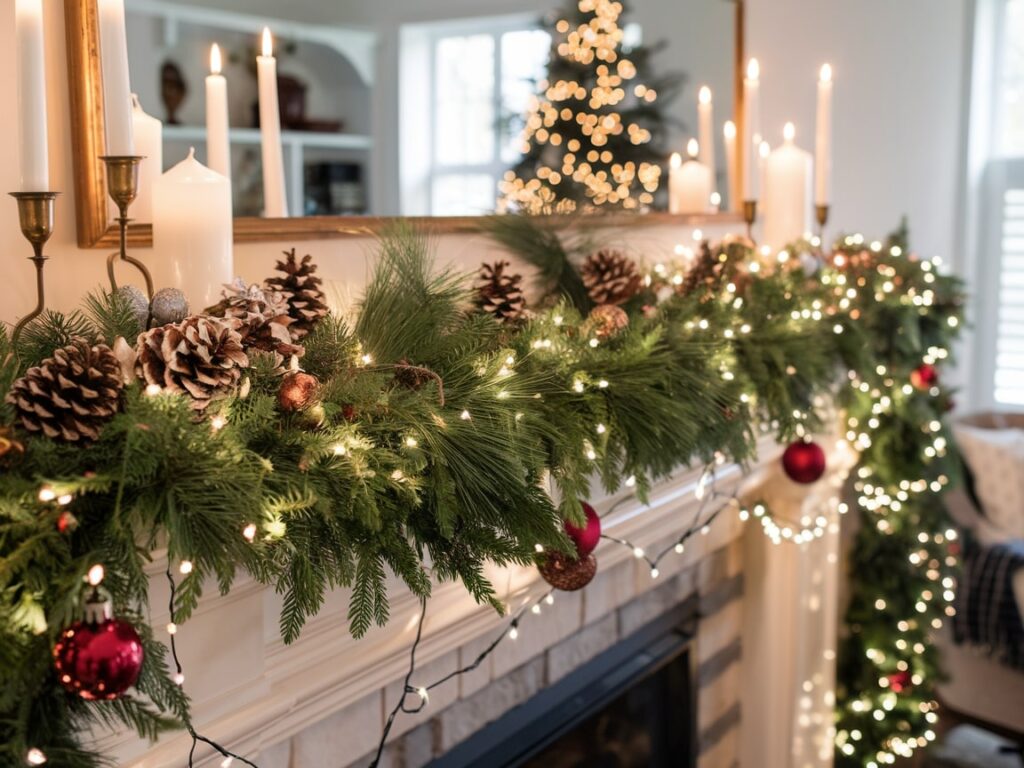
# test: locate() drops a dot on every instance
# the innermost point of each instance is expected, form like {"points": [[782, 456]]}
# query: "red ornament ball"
{"points": [[566, 573], [924, 377], [298, 391], [587, 537], [98, 659], [804, 462], [899, 682]]}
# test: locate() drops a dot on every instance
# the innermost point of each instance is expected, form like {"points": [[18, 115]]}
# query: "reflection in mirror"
{"points": [[449, 108]]}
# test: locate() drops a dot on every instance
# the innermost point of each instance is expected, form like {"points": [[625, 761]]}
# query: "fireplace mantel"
{"points": [[250, 691]]}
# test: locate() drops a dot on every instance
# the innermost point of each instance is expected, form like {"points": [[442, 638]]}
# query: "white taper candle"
{"points": [[35, 168]]}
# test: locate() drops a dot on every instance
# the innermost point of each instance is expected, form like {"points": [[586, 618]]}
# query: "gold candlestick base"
{"points": [[123, 187], [821, 216], [750, 216], [35, 215]]}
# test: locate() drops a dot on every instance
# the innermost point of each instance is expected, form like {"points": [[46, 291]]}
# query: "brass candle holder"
{"points": [[35, 215], [750, 216], [123, 186], [821, 216]]}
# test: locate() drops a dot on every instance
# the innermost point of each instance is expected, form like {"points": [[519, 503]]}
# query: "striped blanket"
{"points": [[987, 613]]}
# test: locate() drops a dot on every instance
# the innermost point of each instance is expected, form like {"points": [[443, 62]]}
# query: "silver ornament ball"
{"points": [[169, 306], [137, 302]]}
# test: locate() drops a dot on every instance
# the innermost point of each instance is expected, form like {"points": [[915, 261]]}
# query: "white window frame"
{"points": [[988, 175], [420, 168]]}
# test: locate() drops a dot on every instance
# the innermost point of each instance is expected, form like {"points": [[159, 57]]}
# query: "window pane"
{"points": [[1010, 131], [524, 58], [464, 82], [464, 194]]}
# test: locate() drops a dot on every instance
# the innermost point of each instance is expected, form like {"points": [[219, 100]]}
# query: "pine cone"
{"points": [[260, 317], [703, 274], [610, 277], [411, 375], [500, 293], [200, 356], [71, 395], [307, 304]]}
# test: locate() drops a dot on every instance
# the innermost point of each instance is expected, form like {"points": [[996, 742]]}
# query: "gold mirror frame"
{"points": [[96, 230]]}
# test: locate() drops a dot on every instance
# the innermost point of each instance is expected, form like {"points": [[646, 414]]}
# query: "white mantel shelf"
{"points": [[250, 691]]}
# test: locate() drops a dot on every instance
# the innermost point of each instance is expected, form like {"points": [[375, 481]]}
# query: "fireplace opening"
{"points": [[633, 706]]}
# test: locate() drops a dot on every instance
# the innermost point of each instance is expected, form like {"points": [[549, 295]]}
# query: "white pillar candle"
{"points": [[787, 193], [751, 129], [192, 230], [823, 139], [218, 146], [35, 169], [117, 92], [275, 201], [148, 135], [689, 183], [732, 168], [706, 133]]}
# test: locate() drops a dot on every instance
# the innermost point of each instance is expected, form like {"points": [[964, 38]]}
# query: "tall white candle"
{"points": [[275, 201], [117, 92], [689, 183], [192, 230], [732, 168], [148, 134], [706, 133], [823, 139], [35, 169], [218, 146], [751, 129], [787, 193]]}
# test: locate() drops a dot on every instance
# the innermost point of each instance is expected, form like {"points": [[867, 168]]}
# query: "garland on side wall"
{"points": [[268, 436]]}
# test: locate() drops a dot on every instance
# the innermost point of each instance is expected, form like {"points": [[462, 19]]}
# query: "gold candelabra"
{"points": [[123, 186], [750, 216], [35, 215]]}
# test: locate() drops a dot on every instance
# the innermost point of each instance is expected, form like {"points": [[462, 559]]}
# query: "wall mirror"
{"points": [[394, 108]]}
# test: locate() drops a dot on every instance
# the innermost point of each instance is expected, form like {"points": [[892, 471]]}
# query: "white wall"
{"points": [[899, 71]]}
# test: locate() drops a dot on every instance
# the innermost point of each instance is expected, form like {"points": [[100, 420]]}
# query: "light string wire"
{"points": [[196, 736], [708, 493]]}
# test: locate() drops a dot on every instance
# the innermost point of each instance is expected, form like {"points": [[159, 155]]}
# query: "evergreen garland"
{"points": [[432, 432]]}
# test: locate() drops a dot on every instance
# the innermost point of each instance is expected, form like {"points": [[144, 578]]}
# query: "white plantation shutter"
{"points": [[1009, 362]]}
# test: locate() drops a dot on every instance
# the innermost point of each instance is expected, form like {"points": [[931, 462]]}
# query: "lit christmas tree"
{"points": [[594, 134]]}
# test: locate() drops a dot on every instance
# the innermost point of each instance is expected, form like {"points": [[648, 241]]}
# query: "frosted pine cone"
{"points": [[260, 317], [500, 293], [301, 289], [200, 356], [71, 395]]}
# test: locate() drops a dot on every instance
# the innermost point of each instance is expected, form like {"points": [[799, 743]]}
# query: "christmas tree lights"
{"points": [[593, 132]]}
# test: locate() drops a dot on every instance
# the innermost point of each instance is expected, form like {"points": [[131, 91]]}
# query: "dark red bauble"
{"points": [[924, 377], [899, 682], [564, 573], [587, 537], [804, 462], [98, 659], [298, 390]]}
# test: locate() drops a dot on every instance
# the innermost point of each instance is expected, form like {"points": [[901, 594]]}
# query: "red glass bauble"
{"points": [[899, 681], [98, 659], [804, 462], [924, 377], [587, 537], [564, 573]]}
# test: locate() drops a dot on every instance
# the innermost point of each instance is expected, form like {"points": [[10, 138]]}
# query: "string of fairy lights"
{"points": [[872, 496]]}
